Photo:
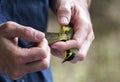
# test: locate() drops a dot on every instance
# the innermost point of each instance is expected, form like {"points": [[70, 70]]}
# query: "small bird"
{"points": [[70, 54], [65, 34]]}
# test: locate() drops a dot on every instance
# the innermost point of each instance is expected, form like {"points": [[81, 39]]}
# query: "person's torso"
{"points": [[26, 12]]}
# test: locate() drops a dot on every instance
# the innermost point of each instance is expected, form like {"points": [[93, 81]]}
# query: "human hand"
{"points": [[16, 61], [74, 12]]}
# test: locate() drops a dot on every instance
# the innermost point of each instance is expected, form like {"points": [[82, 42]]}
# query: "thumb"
{"points": [[64, 13], [12, 29]]}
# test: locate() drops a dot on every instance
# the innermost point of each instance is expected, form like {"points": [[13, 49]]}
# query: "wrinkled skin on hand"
{"points": [[76, 13], [16, 61]]}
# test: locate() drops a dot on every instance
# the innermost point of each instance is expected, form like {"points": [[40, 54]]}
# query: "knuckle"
{"points": [[81, 57], [45, 64], [88, 27], [44, 53], [64, 5], [90, 31], [92, 36], [8, 24], [63, 8], [9, 28]]}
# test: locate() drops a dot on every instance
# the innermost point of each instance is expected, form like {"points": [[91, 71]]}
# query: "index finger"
{"points": [[12, 29]]}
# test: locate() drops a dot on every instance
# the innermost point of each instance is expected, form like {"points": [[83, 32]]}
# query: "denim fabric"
{"points": [[31, 13]]}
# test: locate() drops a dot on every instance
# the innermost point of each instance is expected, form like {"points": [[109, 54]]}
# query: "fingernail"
{"points": [[39, 35], [54, 47], [63, 20]]}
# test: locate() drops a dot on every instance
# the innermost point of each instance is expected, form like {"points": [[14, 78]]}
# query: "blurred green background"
{"points": [[103, 61]]}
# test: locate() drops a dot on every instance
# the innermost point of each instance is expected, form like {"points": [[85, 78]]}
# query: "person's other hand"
{"points": [[16, 61], [76, 13]]}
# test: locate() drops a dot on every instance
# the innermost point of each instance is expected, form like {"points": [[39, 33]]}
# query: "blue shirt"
{"points": [[32, 13]]}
